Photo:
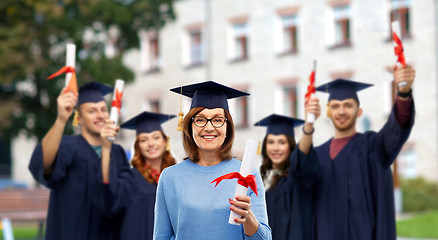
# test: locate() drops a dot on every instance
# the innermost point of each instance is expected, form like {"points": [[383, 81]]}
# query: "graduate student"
{"points": [[289, 205], [68, 165], [354, 189], [131, 195], [189, 206]]}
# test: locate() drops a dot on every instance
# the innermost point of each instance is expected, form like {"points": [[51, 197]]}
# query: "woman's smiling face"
{"points": [[210, 138], [277, 149]]}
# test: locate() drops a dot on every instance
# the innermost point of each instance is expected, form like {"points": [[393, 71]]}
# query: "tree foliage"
{"points": [[33, 35], [419, 195]]}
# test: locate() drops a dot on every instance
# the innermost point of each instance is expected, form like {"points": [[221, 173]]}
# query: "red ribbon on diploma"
{"points": [[311, 87], [398, 50], [117, 102], [72, 84], [248, 181]]}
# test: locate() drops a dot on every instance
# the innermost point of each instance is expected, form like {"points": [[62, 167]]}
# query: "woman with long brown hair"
{"points": [[133, 198], [188, 205], [148, 162], [289, 205]]}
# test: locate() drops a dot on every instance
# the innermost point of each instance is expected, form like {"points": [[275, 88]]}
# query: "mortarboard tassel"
{"points": [[75, 119], [259, 149], [180, 115], [168, 144], [329, 113], [180, 121]]}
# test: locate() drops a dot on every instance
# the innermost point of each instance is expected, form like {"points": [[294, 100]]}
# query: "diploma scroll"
{"points": [[397, 32], [70, 60], [311, 91], [116, 103], [6, 225], [245, 169], [310, 116]]}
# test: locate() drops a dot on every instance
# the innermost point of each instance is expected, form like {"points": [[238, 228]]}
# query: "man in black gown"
{"points": [[68, 166], [354, 196]]}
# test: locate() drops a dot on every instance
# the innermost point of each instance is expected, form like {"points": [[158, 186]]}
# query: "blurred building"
{"points": [[267, 48]]}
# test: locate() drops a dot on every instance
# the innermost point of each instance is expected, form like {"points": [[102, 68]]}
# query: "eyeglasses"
{"points": [[217, 122]]}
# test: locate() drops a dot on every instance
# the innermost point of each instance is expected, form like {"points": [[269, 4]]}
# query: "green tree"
{"points": [[33, 35], [419, 195]]}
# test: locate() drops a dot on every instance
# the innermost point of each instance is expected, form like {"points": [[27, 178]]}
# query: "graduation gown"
{"points": [[72, 214], [131, 199], [289, 202], [354, 197]]}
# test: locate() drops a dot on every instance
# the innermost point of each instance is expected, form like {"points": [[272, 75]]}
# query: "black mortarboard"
{"points": [[209, 94], [278, 124], [93, 92], [341, 89], [147, 122]]}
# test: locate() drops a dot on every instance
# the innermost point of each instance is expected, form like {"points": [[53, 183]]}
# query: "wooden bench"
{"points": [[25, 205]]}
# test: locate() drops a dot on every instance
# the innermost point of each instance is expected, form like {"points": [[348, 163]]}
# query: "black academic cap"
{"points": [[147, 122], [278, 124], [341, 89], [209, 94], [93, 92]]}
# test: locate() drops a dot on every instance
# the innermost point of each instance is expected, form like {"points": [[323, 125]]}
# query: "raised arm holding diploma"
{"points": [[67, 164], [355, 168]]}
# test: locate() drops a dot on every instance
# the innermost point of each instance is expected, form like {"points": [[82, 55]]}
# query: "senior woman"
{"points": [[188, 206]]}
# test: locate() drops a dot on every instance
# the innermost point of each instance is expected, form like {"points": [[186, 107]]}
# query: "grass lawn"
{"points": [[25, 233], [421, 226]]}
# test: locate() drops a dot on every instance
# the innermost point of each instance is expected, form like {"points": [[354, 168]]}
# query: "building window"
{"points": [[241, 112], [342, 26], [196, 51], [193, 47], [154, 105], [290, 33], [150, 48], [406, 161], [400, 12], [238, 46], [290, 101], [239, 107], [152, 102], [347, 74], [154, 53], [241, 41]]}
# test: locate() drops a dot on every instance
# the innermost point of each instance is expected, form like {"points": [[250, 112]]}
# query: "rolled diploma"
{"points": [[7, 229], [114, 114], [70, 60], [396, 28], [311, 116], [245, 169]]}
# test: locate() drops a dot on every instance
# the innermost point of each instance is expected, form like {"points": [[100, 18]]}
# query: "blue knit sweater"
{"points": [[188, 206]]}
